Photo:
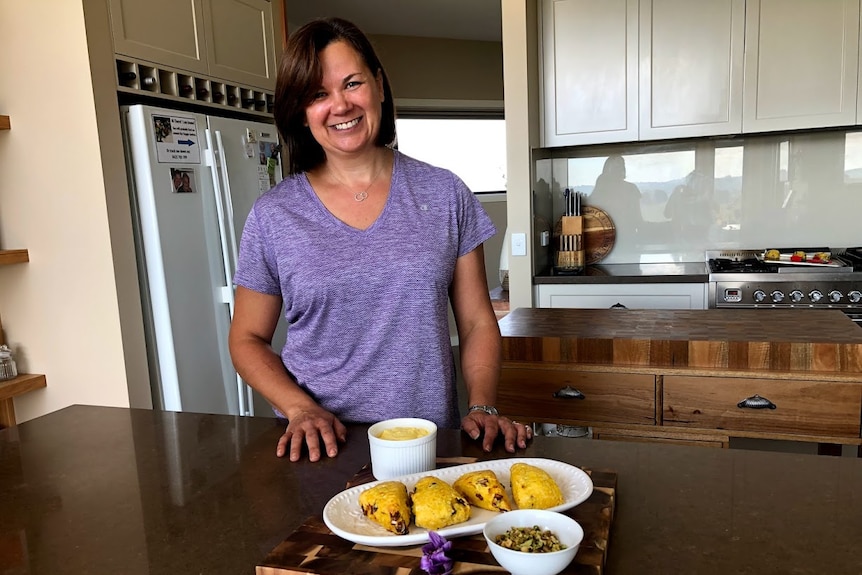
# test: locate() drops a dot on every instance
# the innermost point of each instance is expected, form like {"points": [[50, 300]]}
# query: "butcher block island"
{"points": [[686, 376]]}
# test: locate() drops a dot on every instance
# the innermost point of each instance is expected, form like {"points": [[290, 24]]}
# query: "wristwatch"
{"points": [[489, 409]]}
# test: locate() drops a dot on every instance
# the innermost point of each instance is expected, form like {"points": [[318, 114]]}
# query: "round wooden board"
{"points": [[599, 234]]}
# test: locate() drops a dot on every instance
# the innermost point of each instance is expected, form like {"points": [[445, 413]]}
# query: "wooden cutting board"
{"points": [[314, 550], [599, 234]]}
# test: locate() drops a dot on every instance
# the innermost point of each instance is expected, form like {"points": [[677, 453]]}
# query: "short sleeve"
{"points": [[256, 267], [474, 225]]}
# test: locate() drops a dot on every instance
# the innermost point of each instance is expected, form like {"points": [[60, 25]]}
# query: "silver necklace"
{"points": [[360, 196]]}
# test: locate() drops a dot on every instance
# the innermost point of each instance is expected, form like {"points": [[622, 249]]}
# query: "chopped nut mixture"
{"points": [[529, 540]]}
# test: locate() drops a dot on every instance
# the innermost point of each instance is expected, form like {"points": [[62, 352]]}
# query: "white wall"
{"points": [[60, 310], [441, 69]]}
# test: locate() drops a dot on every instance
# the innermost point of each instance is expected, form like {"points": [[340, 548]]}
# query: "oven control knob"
{"points": [[815, 296], [835, 296], [777, 296], [796, 296], [855, 296], [759, 295]]}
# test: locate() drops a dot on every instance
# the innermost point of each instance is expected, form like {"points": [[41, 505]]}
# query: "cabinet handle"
{"points": [[756, 402], [569, 392]]}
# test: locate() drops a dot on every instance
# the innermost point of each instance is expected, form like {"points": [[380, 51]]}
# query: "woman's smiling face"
{"points": [[344, 117]]}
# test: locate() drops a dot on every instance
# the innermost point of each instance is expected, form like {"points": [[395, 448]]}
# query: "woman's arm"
{"points": [[480, 346], [250, 341]]}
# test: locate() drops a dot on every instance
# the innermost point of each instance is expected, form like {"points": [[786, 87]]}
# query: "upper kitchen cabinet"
{"points": [[801, 64], [691, 67], [229, 40], [240, 45], [589, 71], [164, 32]]}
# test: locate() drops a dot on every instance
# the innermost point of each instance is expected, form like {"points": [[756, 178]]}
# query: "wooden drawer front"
{"points": [[608, 397], [802, 407]]}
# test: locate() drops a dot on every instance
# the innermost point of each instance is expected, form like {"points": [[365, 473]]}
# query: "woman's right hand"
{"points": [[308, 427]]}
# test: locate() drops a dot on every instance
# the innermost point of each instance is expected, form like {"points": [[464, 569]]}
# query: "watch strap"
{"points": [[489, 409]]}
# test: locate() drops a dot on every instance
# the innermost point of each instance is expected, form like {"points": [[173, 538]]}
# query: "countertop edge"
{"points": [[624, 279]]}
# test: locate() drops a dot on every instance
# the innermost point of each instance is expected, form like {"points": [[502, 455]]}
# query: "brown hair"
{"points": [[299, 78]]}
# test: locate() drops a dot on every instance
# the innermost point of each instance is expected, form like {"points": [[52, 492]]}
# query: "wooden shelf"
{"points": [[5, 123], [10, 388], [25, 382], [14, 257]]}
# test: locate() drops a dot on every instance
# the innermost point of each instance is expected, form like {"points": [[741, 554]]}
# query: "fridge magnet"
{"points": [[262, 180], [183, 181], [249, 141], [269, 154], [268, 150], [176, 139]]}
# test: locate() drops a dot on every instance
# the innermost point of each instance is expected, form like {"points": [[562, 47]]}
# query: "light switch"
{"points": [[519, 244]]}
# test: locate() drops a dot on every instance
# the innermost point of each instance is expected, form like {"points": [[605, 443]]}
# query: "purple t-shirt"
{"points": [[367, 310]]}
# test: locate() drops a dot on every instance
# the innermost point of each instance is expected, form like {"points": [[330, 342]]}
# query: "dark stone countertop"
{"points": [[110, 490], [678, 272]]}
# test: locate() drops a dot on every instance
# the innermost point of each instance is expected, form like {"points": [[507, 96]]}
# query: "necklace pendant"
{"points": [[360, 196]]}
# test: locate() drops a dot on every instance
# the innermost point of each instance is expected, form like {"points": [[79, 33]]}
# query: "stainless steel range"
{"points": [[744, 279]]}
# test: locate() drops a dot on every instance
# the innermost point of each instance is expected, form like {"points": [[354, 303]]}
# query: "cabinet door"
{"points": [[240, 45], [169, 32], [801, 64], [589, 56], [633, 296], [691, 55]]}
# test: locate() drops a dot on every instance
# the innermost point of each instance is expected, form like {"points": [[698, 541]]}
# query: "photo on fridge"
{"points": [[183, 181]]}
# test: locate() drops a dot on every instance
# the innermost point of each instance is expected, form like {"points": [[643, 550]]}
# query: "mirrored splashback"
{"points": [[671, 201]]}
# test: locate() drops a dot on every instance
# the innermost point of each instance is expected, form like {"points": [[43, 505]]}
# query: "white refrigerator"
{"points": [[193, 181]]}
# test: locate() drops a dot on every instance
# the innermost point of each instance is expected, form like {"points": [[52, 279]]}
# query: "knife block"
{"points": [[570, 253], [572, 225]]}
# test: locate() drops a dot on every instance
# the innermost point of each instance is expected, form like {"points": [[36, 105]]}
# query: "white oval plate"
{"points": [[343, 515]]}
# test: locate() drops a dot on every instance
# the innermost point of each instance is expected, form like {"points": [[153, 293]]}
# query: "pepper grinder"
{"points": [[8, 369]]}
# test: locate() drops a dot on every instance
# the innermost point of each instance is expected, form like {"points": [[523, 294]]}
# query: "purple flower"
{"points": [[434, 560]]}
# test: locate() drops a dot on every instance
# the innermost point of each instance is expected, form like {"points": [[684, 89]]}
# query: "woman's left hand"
{"points": [[480, 424]]}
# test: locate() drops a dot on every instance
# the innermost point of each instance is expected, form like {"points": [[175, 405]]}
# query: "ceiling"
{"points": [[458, 19]]}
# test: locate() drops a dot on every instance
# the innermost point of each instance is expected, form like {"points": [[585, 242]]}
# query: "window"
{"points": [[474, 149], [853, 158]]}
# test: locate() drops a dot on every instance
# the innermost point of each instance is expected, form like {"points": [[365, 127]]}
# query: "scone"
{"points": [[387, 503], [533, 488], [484, 490], [436, 504]]}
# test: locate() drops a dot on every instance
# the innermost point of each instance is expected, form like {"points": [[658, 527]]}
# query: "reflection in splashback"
{"points": [[671, 201]]}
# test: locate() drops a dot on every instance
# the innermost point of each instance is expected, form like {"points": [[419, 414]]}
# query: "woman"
{"points": [[364, 247]]}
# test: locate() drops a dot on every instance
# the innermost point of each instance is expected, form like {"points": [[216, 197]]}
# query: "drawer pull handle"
{"points": [[756, 402], [569, 392]]}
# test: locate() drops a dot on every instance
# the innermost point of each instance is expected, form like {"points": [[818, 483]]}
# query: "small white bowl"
{"points": [[564, 527], [392, 458]]}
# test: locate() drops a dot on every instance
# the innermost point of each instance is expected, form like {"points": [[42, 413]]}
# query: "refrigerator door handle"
{"points": [[215, 163], [228, 202], [218, 166]]}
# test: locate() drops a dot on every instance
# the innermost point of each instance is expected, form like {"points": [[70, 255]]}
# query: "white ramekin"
{"points": [[391, 458]]}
